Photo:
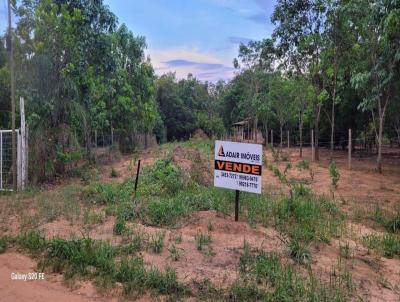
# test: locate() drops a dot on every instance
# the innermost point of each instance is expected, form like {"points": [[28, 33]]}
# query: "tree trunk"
{"points": [[398, 135], [266, 133], [301, 137], [281, 136], [255, 129], [380, 132], [333, 122], [316, 134]]}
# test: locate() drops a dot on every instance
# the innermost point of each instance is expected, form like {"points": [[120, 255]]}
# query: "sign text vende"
{"points": [[238, 166]]}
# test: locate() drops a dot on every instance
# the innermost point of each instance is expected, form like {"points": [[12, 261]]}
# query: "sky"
{"points": [[191, 36]]}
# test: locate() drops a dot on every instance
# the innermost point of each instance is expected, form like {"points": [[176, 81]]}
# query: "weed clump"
{"points": [[303, 165], [265, 277], [156, 242], [202, 240], [388, 244]]}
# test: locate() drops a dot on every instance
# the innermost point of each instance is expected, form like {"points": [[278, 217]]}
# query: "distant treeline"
{"points": [[330, 65]]}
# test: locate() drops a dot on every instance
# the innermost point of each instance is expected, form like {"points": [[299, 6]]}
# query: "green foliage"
{"points": [[114, 173], [388, 244], [161, 178], [3, 244], [156, 242], [175, 253], [135, 277], [109, 193], [267, 270], [202, 240], [303, 165], [119, 226], [334, 174], [33, 241], [298, 251]]}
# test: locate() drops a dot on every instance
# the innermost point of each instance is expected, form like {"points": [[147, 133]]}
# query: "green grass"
{"points": [[388, 244], [303, 165], [156, 242], [3, 244], [33, 241], [265, 277], [119, 226], [175, 253], [389, 221], [99, 261], [133, 274], [304, 217], [202, 240]]}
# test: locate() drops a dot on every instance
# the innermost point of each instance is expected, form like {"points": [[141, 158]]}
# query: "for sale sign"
{"points": [[238, 166]]}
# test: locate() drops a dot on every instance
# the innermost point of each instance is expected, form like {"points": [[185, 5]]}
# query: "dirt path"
{"points": [[49, 289]]}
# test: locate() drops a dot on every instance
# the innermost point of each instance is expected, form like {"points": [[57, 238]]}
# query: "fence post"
{"points": [[24, 146], [350, 147], [312, 146], [288, 140]]}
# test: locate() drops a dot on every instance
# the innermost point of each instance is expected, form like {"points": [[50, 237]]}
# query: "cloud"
{"points": [[204, 66], [180, 63], [259, 18], [239, 40], [266, 5]]}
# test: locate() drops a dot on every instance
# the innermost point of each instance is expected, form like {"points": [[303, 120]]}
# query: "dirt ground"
{"points": [[376, 278]]}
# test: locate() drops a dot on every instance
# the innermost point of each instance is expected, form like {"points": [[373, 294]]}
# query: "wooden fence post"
{"points": [[350, 147], [312, 146]]}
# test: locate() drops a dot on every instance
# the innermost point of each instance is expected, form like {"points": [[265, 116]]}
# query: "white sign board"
{"points": [[238, 166]]}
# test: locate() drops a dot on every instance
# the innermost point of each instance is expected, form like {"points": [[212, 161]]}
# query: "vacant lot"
{"points": [[318, 232]]}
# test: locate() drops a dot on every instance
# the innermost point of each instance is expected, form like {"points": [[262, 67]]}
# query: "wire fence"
{"points": [[5, 160]]}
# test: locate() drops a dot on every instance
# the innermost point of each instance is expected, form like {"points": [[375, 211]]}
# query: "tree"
{"points": [[281, 94], [378, 24], [257, 58], [303, 94], [299, 43]]}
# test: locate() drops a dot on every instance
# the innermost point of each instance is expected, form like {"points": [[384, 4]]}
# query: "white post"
{"points": [[23, 145], [19, 160], [350, 147], [312, 145]]}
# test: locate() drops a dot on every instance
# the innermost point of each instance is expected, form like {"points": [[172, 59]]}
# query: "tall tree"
{"points": [[299, 42], [378, 24]]}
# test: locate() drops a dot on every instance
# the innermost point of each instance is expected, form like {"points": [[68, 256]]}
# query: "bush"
{"points": [[162, 178], [303, 165], [119, 226], [3, 244], [334, 174]]}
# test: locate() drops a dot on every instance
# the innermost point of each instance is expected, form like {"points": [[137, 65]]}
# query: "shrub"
{"points": [[119, 226], [334, 174], [303, 165], [3, 244], [156, 242], [114, 173]]}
